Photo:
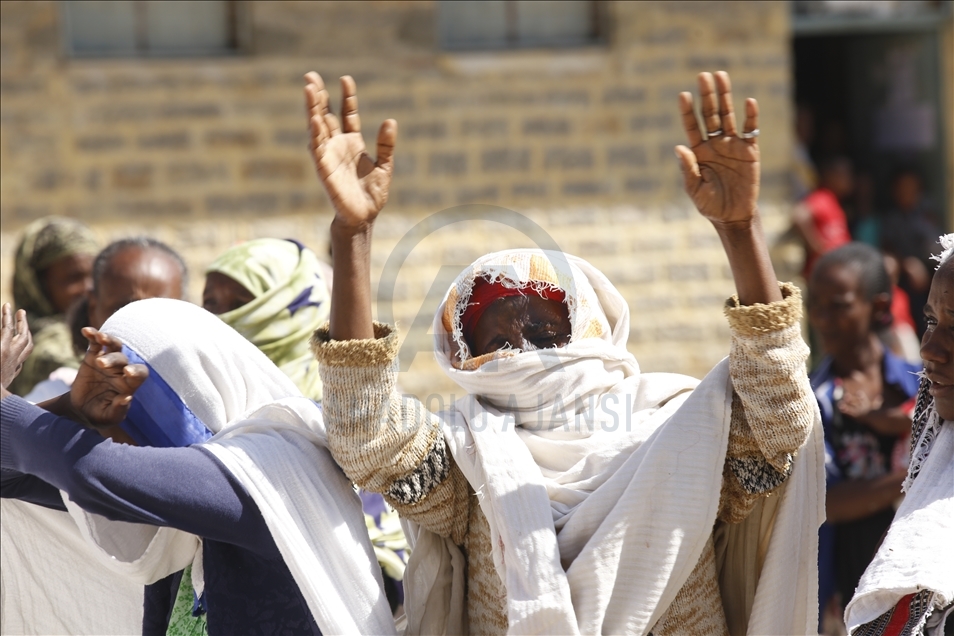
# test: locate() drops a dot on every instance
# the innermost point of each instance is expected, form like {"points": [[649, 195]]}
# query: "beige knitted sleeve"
{"points": [[385, 442], [773, 406]]}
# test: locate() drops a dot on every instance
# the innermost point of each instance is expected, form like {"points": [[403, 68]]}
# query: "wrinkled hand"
{"points": [[721, 172], [16, 343], [106, 382], [358, 186]]}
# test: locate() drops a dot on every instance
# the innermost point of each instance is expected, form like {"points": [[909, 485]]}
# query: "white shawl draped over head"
{"points": [[917, 553], [600, 483], [274, 443]]}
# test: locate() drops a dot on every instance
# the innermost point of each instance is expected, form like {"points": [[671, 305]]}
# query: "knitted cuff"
{"points": [[753, 320], [380, 350]]}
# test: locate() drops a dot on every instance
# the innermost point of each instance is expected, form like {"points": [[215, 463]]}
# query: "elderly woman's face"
{"points": [[937, 345], [527, 323]]}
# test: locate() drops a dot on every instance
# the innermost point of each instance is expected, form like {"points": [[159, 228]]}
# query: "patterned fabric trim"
{"points": [[756, 475], [925, 425], [907, 618], [415, 486]]}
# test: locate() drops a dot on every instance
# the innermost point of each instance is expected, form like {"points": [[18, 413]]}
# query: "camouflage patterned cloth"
{"points": [[184, 620], [291, 301], [44, 242]]}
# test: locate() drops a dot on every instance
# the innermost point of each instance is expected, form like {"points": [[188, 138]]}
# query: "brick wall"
{"points": [[203, 153]]}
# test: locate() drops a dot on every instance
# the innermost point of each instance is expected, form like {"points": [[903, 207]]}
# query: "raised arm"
{"points": [[721, 174], [358, 188], [384, 444], [773, 407]]}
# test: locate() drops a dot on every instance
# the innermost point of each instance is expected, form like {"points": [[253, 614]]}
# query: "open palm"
{"points": [[357, 185], [721, 172]]}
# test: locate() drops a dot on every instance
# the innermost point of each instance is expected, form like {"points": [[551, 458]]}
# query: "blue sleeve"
{"points": [[183, 488], [16, 485]]}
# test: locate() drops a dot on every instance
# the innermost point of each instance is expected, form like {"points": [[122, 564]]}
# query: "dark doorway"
{"points": [[876, 98]]}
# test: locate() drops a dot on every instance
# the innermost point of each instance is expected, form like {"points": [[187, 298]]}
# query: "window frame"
{"points": [[600, 38], [239, 17]]}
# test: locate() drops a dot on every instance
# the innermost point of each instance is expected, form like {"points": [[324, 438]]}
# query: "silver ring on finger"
{"points": [[714, 133], [750, 135]]}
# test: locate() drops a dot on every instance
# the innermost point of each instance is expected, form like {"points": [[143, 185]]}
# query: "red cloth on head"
{"points": [[485, 293]]}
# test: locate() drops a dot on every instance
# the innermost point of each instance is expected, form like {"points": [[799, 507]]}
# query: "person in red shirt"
{"points": [[819, 219]]}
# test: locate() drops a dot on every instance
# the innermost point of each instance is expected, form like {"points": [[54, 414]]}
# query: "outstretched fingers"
{"points": [[22, 326], [316, 105], [710, 104], [349, 105], [112, 360], [751, 118], [135, 375], [314, 87], [23, 332], [689, 121], [726, 113], [691, 174], [101, 341], [387, 138]]}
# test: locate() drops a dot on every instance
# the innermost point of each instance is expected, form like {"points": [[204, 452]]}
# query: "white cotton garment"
{"points": [[51, 581], [273, 441], [918, 551], [600, 483]]}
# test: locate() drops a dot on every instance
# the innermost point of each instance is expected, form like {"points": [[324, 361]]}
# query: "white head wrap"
{"points": [[274, 443], [580, 462]]}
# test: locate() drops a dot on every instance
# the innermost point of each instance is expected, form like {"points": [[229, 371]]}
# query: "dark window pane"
{"points": [[182, 27], [473, 24], [489, 24], [101, 27], [554, 23], [150, 27]]}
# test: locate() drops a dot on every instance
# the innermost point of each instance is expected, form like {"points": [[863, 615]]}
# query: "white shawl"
{"points": [[41, 590], [918, 551], [273, 441], [600, 483]]}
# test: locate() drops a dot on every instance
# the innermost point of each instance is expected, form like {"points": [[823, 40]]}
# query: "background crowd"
{"points": [[275, 292], [583, 139]]}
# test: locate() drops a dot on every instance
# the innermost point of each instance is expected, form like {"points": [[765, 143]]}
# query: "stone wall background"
{"points": [[206, 152]]}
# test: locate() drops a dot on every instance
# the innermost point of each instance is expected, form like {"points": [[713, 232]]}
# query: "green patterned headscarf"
{"points": [[291, 301], [44, 242]]}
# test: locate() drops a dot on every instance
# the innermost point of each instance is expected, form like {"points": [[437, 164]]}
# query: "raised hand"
{"points": [[721, 172], [16, 343], [106, 382], [358, 185]]}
